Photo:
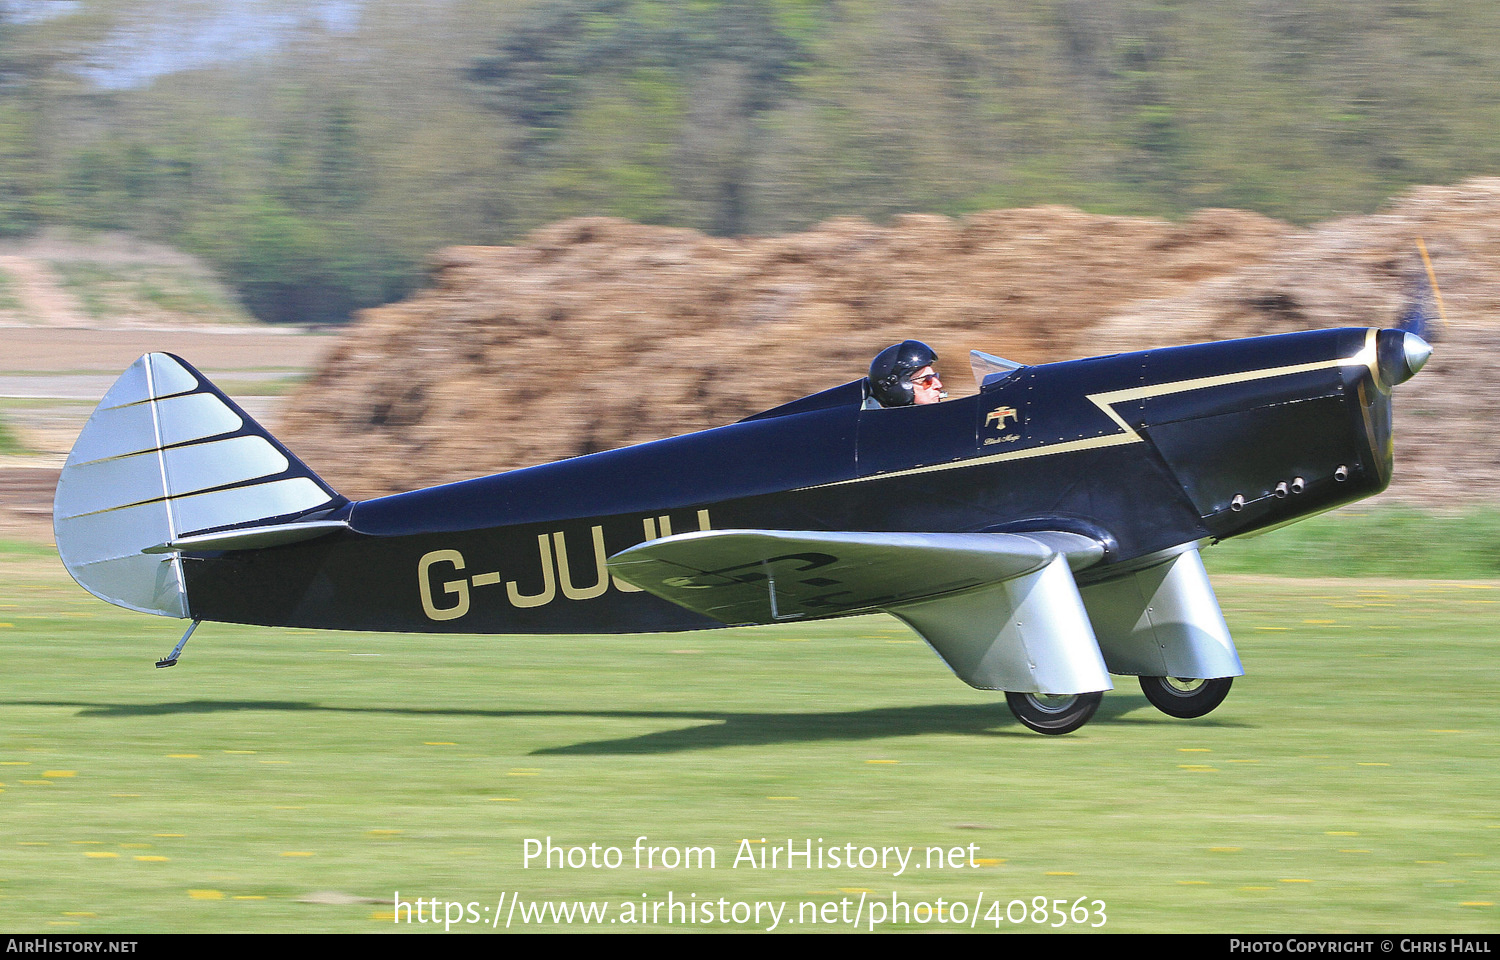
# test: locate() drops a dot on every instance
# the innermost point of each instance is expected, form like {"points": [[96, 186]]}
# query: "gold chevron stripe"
{"points": [[1105, 401]]}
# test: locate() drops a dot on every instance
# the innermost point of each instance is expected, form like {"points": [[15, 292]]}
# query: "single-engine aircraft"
{"points": [[1040, 534]]}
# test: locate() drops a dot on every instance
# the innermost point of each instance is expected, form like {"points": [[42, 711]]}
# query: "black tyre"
{"points": [[1185, 699], [1050, 714]]}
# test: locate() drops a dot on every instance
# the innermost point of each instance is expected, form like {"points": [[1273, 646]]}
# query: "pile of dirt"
{"points": [[596, 333]]}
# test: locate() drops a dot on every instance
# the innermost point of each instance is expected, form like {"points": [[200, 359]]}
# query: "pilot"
{"points": [[902, 375]]}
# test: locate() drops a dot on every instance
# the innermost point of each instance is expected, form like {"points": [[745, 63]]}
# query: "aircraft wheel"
{"points": [[1185, 699], [1053, 714]]}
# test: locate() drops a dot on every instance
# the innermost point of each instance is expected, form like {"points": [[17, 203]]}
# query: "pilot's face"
{"points": [[926, 387]]}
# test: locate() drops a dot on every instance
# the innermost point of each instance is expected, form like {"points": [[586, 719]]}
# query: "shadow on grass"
{"points": [[717, 729]]}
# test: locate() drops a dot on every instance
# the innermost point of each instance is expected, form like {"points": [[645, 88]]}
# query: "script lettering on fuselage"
{"points": [[449, 599]]}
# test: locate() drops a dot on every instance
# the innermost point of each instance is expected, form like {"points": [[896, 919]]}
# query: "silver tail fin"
{"points": [[166, 455]]}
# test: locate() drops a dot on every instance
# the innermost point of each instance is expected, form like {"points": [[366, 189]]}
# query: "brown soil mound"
{"points": [[597, 333]]}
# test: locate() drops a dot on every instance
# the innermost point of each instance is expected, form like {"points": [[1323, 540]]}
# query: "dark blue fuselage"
{"points": [[1144, 450]]}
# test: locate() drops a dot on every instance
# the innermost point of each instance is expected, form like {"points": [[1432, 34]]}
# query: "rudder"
{"points": [[166, 455]]}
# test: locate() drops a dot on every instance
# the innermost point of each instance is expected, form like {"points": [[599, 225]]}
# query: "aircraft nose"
{"points": [[1416, 351], [1401, 354]]}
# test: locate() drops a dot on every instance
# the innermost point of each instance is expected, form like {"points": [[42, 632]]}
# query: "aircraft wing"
{"points": [[1001, 608]]}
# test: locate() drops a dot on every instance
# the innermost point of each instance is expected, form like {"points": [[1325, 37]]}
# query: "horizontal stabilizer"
{"points": [[253, 538], [166, 455]]}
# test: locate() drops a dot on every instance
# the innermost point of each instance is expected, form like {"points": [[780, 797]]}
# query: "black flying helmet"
{"points": [[892, 370]]}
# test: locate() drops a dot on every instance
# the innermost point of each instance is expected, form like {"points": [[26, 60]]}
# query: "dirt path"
{"points": [[47, 350], [43, 300]]}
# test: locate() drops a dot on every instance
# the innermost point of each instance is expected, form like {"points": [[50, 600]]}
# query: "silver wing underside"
{"points": [[1001, 609]]}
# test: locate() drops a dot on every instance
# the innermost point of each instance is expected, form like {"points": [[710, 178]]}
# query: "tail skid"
{"points": [[168, 462]]}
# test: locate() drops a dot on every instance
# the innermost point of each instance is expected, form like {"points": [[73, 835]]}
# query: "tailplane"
{"points": [[168, 462]]}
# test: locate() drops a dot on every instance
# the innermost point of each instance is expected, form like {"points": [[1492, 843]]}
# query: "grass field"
{"points": [[1372, 540], [282, 781]]}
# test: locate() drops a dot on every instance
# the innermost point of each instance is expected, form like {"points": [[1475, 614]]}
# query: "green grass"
{"points": [[10, 443], [1371, 541], [296, 780], [27, 549], [9, 301]]}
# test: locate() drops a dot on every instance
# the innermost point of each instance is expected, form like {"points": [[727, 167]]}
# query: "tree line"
{"points": [[317, 174]]}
